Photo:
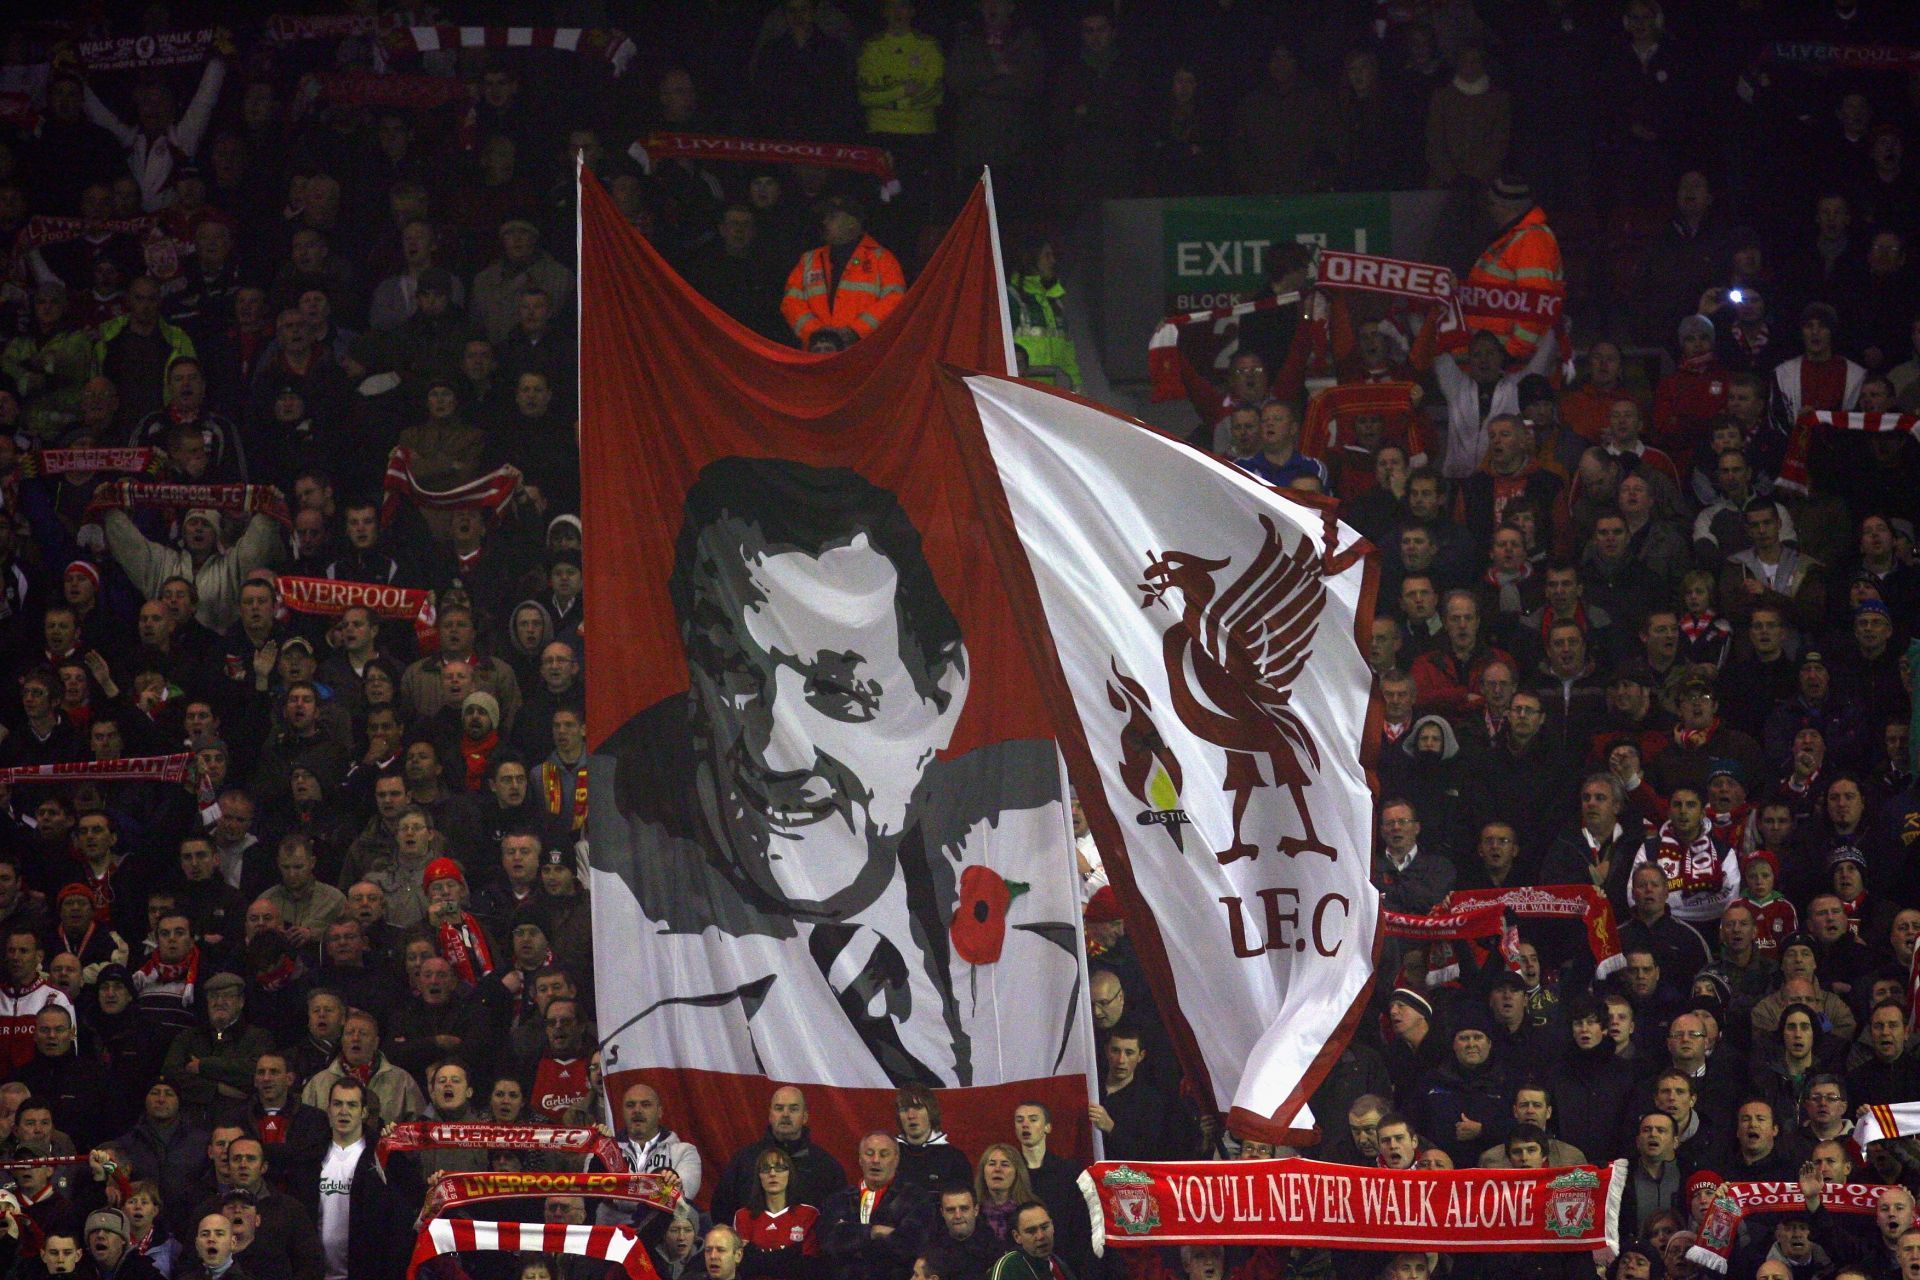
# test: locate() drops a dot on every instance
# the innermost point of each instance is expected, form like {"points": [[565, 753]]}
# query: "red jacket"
{"points": [[1684, 406], [1441, 683]]}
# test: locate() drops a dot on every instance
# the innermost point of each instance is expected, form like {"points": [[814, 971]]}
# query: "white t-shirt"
{"points": [[336, 1199]]}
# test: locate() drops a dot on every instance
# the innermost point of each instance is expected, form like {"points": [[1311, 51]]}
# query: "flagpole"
{"points": [[1000, 276]]}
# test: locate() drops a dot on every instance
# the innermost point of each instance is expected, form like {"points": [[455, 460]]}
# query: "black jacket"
{"points": [[1592, 1093], [933, 1165], [816, 1175], [75, 1085], [857, 1253], [293, 1160], [286, 1246], [380, 1216]]}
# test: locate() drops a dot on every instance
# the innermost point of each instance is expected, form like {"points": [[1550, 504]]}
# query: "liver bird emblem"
{"points": [[1231, 663]]}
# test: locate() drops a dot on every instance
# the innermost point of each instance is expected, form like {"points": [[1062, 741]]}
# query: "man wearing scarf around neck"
{"points": [[1700, 742], [1699, 866], [873, 1229]]}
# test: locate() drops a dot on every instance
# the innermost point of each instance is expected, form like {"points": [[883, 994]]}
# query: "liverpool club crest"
{"points": [[1232, 657], [1570, 1199], [1134, 1208]]}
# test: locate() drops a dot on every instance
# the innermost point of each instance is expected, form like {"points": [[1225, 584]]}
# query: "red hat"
{"points": [[86, 567], [441, 869], [1764, 855], [1706, 1177], [73, 891], [1104, 906]]}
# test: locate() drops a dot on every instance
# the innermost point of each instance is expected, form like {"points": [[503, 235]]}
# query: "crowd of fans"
{"points": [[1639, 629]]}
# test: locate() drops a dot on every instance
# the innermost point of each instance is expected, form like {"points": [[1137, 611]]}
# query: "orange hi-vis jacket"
{"points": [[1526, 254], [869, 289]]}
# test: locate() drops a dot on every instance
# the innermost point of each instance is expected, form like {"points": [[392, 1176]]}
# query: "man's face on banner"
{"points": [[815, 711]]}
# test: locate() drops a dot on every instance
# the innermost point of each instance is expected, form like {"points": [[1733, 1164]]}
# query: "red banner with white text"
{"points": [[171, 768], [877, 888], [331, 597], [1310, 1204], [658, 147], [426, 1135]]}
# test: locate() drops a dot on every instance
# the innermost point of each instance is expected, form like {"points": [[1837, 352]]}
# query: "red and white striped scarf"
{"points": [[612, 1244], [471, 961], [610, 45], [1793, 470], [488, 493], [186, 973]]}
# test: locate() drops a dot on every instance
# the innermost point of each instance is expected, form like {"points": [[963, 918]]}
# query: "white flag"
{"points": [[1206, 626]]}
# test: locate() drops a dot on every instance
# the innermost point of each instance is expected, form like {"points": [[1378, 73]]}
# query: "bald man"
{"points": [[650, 1146], [816, 1174]]}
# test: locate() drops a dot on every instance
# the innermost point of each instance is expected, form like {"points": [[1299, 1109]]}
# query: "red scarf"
{"points": [[1694, 739], [101, 887], [187, 971], [1856, 909], [1695, 625], [1689, 866], [1697, 364], [1731, 826], [1493, 578], [476, 754], [364, 1073], [472, 963], [550, 782], [278, 974]]}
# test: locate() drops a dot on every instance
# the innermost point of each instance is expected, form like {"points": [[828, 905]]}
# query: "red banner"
{"points": [[331, 597], [163, 49], [658, 147], [1446, 926], [1460, 304], [171, 768], [1862, 57], [424, 1135], [44, 229], [1785, 1197], [488, 493], [371, 89], [289, 28], [1309, 1204], [1557, 901], [660, 1190], [723, 968], [1370, 273], [60, 462], [227, 499]]}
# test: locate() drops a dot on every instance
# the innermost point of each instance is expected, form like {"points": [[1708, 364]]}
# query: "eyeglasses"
{"points": [[1825, 1097]]}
